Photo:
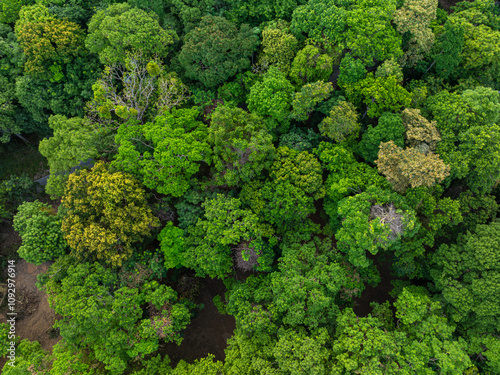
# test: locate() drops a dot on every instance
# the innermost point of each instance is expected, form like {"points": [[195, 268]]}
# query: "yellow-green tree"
{"points": [[107, 213], [414, 18], [46, 40], [419, 131], [410, 167]]}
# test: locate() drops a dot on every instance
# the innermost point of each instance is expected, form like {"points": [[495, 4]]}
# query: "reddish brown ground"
{"points": [[35, 317]]}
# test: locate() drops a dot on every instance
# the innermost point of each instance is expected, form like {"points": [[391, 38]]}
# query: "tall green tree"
{"points": [[224, 225], [467, 123], [120, 28], [75, 140], [272, 98], [217, 50], [166, 153], [373, 220], [106, 214], [242, 146], [310, 65]]}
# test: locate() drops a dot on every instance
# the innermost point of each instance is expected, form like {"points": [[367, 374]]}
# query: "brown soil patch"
{"points": [[35, 317], [378, 294], [208, 331], [447, 4]]}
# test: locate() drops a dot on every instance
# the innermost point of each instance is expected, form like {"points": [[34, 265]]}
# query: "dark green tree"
{"points": [[217, 50]]}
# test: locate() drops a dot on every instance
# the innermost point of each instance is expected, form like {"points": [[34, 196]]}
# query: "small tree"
{"points": [[419, 130], [308, 97], [272, 97], [279, 47], [342, 124], [414, 18], [310, 65], [40, 229]]}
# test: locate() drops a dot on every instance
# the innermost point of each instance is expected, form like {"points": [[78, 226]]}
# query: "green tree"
{"points": [[217, 50], [165, 153], [9, 10], [46, 40], [106, 214], [470, 135], [204, 366], [448, 49], [310, 65], [369, 34], [40, 229], [100, 314], [423, 342], [14, 119], [308, 97], [380, 94], [342, 124], [389, 128], [74, 140], [242, 146], [351, 71], [272, 97], [311, 284], [345, 176], [298, 353], [119, 29], [467, 274], [321, 20], [210, 242], [415, 18], [372, 220], [278, 46], [390, 68], [256, 11]]}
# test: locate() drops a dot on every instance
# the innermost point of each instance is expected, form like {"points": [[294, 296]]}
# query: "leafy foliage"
{"points": [[410, 167], [119, 29], [271, 97], [40, 229], [365, 229], [380, 94], [389, 128], [47, 40], [310, 65], [241, 144], [100, 314], [308, 97], [74, 141], [342, 123], [106, 214], [176, 140], [225, 223], [217, 50]]}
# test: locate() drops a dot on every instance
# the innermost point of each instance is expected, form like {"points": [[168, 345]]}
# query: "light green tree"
{"points": [[120, 28]]}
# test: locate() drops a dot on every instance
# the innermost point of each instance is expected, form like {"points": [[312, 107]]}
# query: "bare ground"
{"points": [[208, 331], [34, 316]]}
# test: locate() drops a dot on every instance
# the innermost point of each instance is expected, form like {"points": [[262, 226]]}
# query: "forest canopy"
{"points": [[333, 166]]}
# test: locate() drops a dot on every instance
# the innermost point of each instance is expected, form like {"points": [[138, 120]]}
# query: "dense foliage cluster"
{"points": [[336, 163]]}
